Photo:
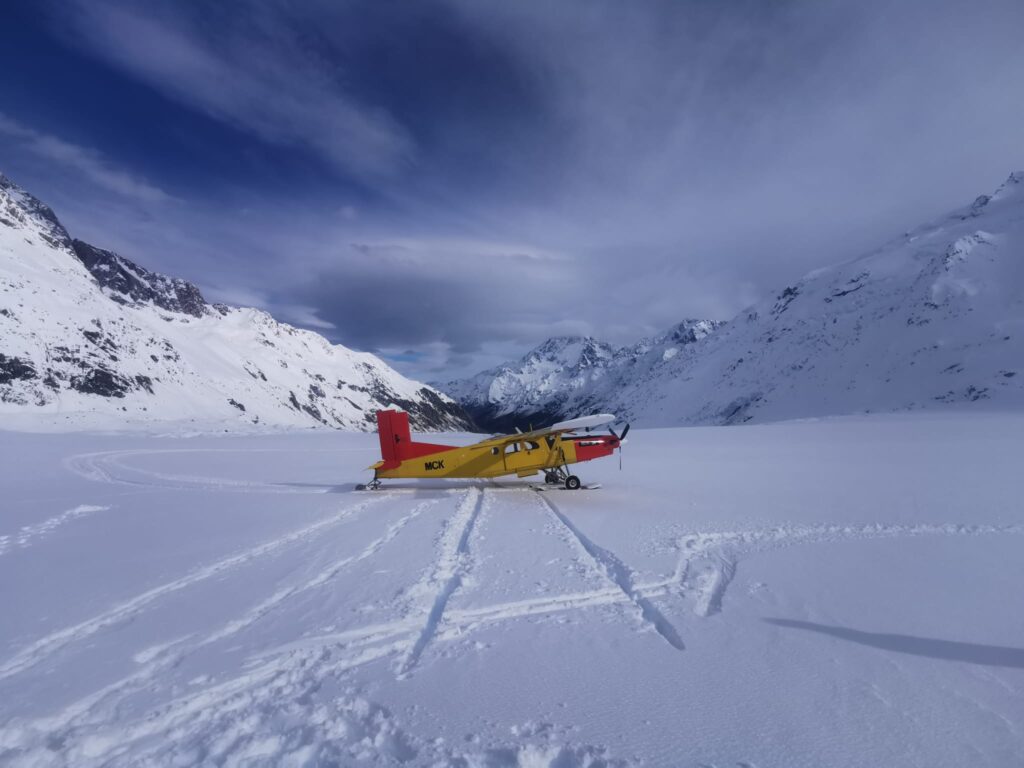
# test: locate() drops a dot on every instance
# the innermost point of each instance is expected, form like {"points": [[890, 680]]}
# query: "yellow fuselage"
{"points": [[523, 454], [522, 458]]}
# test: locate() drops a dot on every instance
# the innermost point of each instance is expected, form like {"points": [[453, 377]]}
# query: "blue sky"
{"points": [[450, 182]]}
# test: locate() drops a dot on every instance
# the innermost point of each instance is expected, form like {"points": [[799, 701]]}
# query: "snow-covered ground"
{"points": [[825, 593]]}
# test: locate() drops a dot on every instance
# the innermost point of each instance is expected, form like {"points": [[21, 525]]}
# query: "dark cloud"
{"points": [[457, 293]]}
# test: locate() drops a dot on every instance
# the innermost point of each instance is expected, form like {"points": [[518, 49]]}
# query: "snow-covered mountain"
{"points": [[87, 336], [933, 318], [567, 374]]}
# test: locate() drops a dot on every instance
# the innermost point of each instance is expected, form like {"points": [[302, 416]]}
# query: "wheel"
{"points": [[572, 482], [550, 479]]}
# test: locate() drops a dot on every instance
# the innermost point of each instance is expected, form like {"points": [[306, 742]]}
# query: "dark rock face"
{"points": [[17, 205], [100, 381], [431, 413], [13, 368], [488, 419], [130, 283]]}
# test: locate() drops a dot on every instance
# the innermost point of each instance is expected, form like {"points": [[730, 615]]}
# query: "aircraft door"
{"points": [[522, 454]]}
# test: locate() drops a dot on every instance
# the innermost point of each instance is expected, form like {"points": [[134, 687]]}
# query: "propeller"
{"points": [[621, 438]]}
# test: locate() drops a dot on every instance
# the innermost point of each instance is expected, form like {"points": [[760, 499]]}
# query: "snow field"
{"points": [[821, 593]]}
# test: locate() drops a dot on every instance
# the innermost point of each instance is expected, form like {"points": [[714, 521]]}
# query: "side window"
{"points": [[495, 451], [512, 448], [531, 446], [550, 440]]}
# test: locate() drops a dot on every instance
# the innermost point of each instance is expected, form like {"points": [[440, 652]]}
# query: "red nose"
{"points": [[595, 447]]}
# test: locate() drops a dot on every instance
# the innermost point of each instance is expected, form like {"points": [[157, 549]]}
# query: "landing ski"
{"points": [[560, 487]]}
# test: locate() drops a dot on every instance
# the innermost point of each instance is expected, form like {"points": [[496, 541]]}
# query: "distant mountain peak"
{"points": [[563, 375], [573, 350]]}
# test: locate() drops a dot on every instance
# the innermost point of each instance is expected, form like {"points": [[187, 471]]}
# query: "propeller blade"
{"points": [[622, 439], [613, 433]]}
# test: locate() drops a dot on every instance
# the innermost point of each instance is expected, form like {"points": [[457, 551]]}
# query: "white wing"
{"points": [[585, 422]]}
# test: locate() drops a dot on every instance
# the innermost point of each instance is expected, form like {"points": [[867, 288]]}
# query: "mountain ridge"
{"points": [[89, 337], [932, 318], [564, 375]]}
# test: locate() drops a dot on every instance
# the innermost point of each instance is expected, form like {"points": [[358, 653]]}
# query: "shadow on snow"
{"points": [[947, 650]]}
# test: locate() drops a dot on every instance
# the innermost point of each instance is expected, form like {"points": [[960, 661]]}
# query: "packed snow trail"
{"points": [[47, 646], [30, 534], [708, 560], [621, 576], [325, 576], [113, 467], [452, 565]]}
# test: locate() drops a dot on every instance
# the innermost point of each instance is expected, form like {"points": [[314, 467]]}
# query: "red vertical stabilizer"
{"points": [[396, 444], [393, 430]]}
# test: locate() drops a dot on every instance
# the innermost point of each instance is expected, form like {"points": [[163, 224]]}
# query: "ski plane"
{"points": [[550, 450]]}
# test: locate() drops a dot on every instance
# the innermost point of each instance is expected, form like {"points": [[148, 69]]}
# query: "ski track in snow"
{"points": [[707, 592], [451, 568], [717, 552], [620, 575], [47, 646], [28, 535], [111, 467], [225, 719], [321, 578], [229, 719], [102, 705]]}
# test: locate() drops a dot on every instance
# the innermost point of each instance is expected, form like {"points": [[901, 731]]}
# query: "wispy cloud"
{"points": [[255, 75], [83, 160]]}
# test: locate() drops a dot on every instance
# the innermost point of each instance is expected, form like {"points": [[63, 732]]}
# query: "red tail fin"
{"points": [[396, 444], [393, 430]]}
